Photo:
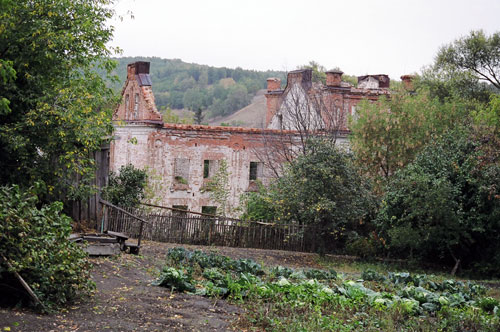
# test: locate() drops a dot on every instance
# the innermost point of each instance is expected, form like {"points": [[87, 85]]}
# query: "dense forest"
{"points": [[216, 91]]}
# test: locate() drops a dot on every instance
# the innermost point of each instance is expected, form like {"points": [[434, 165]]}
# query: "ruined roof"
{"points": [[206, 128], [143, 79]]}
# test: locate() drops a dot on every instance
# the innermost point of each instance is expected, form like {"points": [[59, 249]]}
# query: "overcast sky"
{"points": [[360, 37]]}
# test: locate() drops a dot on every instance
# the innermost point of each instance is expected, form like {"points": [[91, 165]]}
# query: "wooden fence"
{"points": [[176, 226]]}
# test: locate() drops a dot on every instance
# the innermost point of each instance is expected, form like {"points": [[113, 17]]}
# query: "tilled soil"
{"points": [[125, 300]]}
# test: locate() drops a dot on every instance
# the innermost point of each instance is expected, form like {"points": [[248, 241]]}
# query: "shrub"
{"points": [[445, 206], [35, 243], [127, 188]]}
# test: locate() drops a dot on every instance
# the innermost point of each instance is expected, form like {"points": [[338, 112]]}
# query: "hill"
{"points": [[251, 116], [219, 92]]}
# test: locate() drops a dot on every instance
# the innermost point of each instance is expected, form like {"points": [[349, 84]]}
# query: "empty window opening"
{"points": [[178, 213], [255, 170], [127, 104], [210, 167], [209, 210], [136, 106], [181, 171]]}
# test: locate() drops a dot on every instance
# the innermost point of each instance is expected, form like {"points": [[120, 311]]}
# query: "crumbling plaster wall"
{"points": [[156, 148]]}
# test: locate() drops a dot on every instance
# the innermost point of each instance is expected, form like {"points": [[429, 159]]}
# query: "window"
{"points": [[354, 113], [127, 104], [181, 171], [255, 170], [210, 167], [136, 106], [180, 213], [209, 210]]}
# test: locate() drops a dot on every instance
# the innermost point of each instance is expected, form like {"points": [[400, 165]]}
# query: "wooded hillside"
{"points": [[216, 91]]}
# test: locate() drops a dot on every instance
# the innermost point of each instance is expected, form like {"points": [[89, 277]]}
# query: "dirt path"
{"points": [[125, 300]]}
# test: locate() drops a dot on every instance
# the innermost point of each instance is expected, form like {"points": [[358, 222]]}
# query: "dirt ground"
{"points": [[125, 300]]}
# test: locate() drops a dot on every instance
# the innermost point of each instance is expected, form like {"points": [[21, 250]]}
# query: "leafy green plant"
{"points": [[284, 299], [371, 275], [127, 188], [176, 279], [35, 243]]}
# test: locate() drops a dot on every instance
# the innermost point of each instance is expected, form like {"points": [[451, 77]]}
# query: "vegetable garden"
{"points": [[285, 299]]}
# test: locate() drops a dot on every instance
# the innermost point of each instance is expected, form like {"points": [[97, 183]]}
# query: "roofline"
{"points": [[242, 130]]}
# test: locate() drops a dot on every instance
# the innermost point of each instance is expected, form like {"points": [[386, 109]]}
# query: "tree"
{"points": [[318, 71], [198, 116], [303, 114], [476, 54], [55, 109], [127, 188], [388, 134], [445, 206], [323, 188]]}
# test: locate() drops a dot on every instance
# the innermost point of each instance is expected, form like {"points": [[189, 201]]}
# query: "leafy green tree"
{"points": [[387, 135], [198, 116], [476, 54], [323, 188], [258, 205], [127, 188], [444, 83], [318, 71], [445, 206], [55, 110]]}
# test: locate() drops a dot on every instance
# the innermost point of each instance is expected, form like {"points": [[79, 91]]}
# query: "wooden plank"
{"points": [[99, 249], [122, 210], [100, 239], [24, 284]]}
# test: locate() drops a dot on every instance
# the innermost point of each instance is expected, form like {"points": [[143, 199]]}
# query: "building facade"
{"points": [[182, 159]]}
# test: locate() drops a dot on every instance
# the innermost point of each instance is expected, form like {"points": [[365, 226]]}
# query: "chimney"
{"points": [[273, 84], [137, 68], [408, 81], [131, 71], [333, 78]]}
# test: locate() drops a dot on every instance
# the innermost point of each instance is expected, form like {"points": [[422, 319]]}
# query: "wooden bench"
{"points": [[132, 247], [120, 237]]}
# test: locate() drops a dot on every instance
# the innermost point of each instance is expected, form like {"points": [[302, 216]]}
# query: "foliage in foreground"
{"points": [[55, 110], [445, 206], [284, 299], [35, 243]]}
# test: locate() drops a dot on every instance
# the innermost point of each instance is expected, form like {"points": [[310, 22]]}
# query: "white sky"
{"points": [[360, 37]]}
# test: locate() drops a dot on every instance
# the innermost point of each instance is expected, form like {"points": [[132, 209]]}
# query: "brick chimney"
{"points": [[334, 78], [137, 68], [408, 81], [273, 84], [300, 76]]}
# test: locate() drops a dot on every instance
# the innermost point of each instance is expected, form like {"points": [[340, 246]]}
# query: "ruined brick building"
{"points": [[182, 158]]}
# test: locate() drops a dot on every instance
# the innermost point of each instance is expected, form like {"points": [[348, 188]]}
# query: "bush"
{"points": [[127, 188], [35, 243], [324, 188], [445, 206], [362, 247]]}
